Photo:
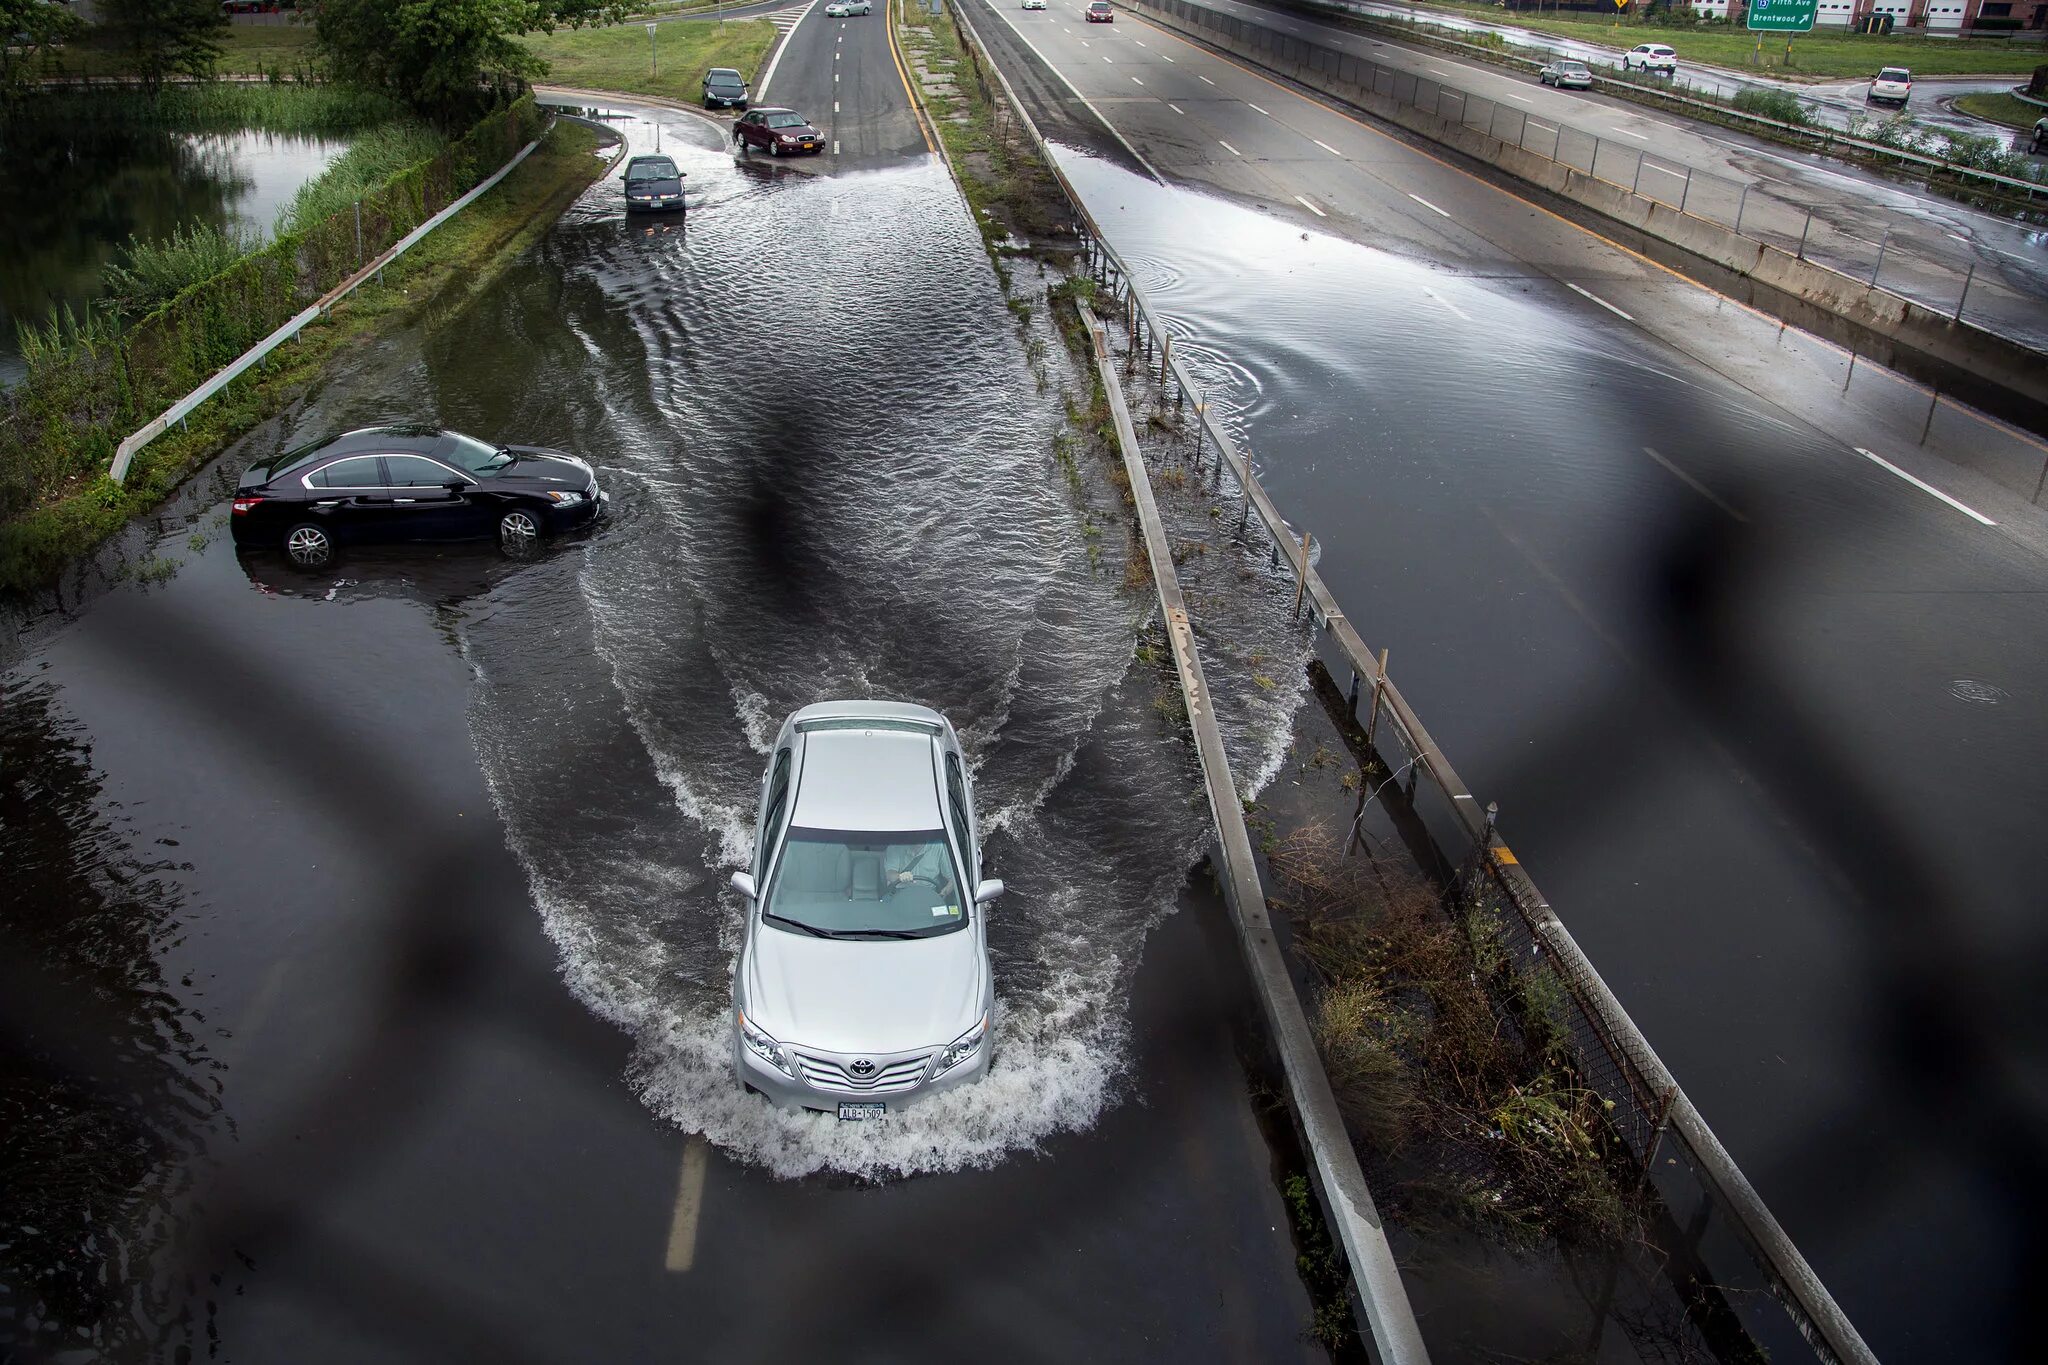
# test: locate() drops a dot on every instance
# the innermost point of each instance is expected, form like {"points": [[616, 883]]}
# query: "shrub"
{"points": [[150, 274], [1781, 105]]}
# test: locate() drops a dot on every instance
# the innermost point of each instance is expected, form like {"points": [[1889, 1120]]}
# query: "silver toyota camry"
{"points": [[863, 980]]}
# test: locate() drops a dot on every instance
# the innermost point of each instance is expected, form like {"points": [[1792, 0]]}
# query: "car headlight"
{"points": [[961, 1048], [788, 137], [565, 499], [764, 1047]]}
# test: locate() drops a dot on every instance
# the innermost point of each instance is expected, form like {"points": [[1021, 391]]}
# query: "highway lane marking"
{"points": [[1925, 487], [1544, 126], [2004, 429], [1176, 108], [1653, 166], [1311, 207], [1640, 137], [1426, 204], [1448, 304], [1228, 148], [682, 1227], [1255, 108], [835, 146], [835, 106], [1520, 100], [1694, 484], [1086, 103], [1203, 79], [1136, 81], [917, 111], [1110, 60], [1964, 240], [761, 91], [1597, 299], [1326, 146], [1438, 71], [1164, 58]]}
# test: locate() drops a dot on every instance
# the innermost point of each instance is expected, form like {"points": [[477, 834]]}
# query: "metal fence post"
{"points": [[1804, 229], [1685, 193], [1636, 187], [1379, 687], [1966, 292], [1878, 269], [1740, 204]]}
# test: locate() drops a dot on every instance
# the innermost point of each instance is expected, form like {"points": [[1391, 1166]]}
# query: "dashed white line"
{"points": [[682, 1228], [1597, 299], [1924, 487], [1204, 80], [1255, 108], [1953, 238], [1426, 204], [1110, 60], [1164, 58], [1437, 69], [1694, 484], [1544, 126], [1310, 207], [1519, 100], [1640, 137], [835, 106], [1326, 146], [1176, 108], [1136, 81], [835, 146], [1448, 304], [1228, 148]]}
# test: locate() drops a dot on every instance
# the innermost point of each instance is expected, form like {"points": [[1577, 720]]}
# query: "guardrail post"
{"points": [[1966, 292], [1636, 187], [1878, 269], [1308, 540], [1379, 691], [1740, 204], [1804, 229], [1685, 193]]}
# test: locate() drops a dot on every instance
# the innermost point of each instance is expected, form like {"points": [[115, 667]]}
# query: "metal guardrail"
{"points": [[1793, 1281], [1917, 274], [124, 454], [1822, 138]]}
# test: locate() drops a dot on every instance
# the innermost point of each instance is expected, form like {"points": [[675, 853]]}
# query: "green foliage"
{"points": [[150, 274], [166, 37], [223, 107], [446, 58], [1781, 105], [368, 163], [29, 31]]}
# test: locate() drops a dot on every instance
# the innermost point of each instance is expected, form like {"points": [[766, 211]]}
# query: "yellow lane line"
{"points": [[902, 70]]}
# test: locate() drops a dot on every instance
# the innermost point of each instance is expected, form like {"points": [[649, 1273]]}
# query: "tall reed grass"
{"points": [[220, 107], [151, 273], [370, 161]]}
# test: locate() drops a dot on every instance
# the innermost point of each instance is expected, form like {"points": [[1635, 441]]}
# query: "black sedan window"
{"points": [[414, 471], [361, 472], [472, 454]]}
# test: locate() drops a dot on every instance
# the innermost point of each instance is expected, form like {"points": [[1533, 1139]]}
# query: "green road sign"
{"points": [[1782, 16]]}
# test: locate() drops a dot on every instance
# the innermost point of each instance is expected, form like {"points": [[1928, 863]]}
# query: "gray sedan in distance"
{"points": [[863, 980], [1567, 75]]}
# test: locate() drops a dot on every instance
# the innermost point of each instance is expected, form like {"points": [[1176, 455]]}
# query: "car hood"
{"points": [[864, 995], [801, 130], [669, 185], [547, 466]]}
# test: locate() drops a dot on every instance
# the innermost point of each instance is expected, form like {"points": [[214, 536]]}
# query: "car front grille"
{"points": [[890, 1077]]}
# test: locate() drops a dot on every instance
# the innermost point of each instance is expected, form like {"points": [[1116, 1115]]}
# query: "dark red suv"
{"points": [[780, 132]]}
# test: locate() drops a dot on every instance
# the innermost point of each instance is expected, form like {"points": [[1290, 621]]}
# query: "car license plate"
{"points": [[862, 1110]]}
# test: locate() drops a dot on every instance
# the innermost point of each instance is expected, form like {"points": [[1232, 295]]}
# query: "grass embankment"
{"points": [[1820, 56], [618, 58], [2013, 113], [247, 50], [445, 269]]}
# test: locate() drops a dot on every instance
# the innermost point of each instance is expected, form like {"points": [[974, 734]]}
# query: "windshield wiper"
{"points": [[813, 930], [882, 933]]}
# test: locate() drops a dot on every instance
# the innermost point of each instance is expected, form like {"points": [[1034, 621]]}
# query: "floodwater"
{"points": [[71, 196], [829, 448], [1774, 773]]}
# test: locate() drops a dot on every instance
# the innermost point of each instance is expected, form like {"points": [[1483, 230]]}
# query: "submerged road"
{"points": [[1752, 668], [402, 887]]}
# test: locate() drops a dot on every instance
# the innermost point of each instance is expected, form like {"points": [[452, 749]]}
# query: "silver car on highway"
{"points": [[863, 980]]}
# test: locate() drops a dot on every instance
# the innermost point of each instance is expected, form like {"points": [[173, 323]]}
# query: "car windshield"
{"points": [[724, 83], [474, 455], [1893, 73], [785, 120], [857, 884], [651, 170]]}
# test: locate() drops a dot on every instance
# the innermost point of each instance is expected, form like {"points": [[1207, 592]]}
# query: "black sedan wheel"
{"points": [[520, 531], [309, 546]]}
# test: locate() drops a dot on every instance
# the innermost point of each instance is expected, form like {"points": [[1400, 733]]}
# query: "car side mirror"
{"points": [[455, 485], [743, 882], [988, 890]]}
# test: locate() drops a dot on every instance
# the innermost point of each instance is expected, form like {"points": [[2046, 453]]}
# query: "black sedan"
{"points": [[653, 182], [410, 483]]}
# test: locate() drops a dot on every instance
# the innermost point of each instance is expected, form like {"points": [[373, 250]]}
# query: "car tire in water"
{"points": [[309, 546], [520, 531]]}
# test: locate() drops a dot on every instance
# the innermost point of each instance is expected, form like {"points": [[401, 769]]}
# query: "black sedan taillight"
{"points": [[242, 505]]}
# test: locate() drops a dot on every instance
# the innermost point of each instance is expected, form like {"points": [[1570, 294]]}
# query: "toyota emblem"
{"points": [[862, 1067]]}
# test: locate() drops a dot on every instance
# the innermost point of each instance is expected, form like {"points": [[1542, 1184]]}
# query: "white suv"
{"points": [[1894, 85], [1650, 57]]}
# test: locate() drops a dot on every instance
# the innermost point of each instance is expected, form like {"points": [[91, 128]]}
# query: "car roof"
{"points": [[862, 779], [365, 440]]}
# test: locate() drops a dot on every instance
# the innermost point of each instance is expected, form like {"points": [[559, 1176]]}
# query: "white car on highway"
{"points": [[1034, 4], [863, 976], [1893, 85], [841, 9], [1650, 57]]}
